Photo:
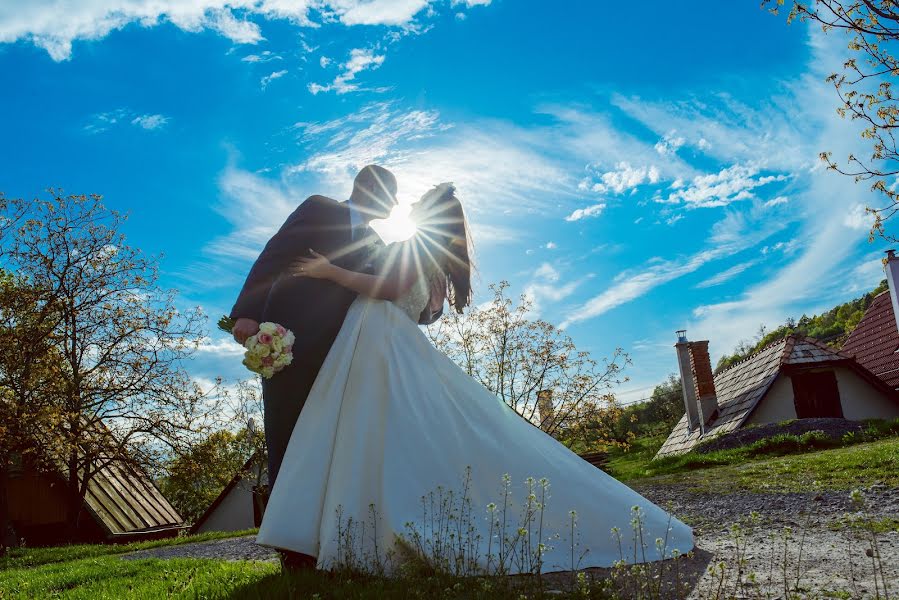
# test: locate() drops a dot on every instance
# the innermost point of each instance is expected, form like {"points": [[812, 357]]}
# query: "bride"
{"points": [[394, 437]]}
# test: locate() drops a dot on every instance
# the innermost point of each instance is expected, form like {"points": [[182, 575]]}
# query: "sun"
{"points": [[398, 227]]}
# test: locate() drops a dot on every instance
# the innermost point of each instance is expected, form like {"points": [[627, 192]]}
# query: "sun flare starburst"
{"points": [[398, 227]]}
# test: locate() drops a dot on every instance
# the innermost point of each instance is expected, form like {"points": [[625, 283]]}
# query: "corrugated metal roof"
{"points": [[875, 340], [125, 501], [740, 387]]}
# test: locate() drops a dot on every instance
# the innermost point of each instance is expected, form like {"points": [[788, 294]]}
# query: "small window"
{"points": [[816, 395]]}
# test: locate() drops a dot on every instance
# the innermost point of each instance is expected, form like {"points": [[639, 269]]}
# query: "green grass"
{"points": [[637, 461], [856, 466], [33, 557], [110, 577], [632, 462]]}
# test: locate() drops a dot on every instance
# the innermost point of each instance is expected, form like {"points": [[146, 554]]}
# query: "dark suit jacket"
{"points": [[313, 309]]}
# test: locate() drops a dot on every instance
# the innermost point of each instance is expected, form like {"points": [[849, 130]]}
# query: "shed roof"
{"points": [[125, 501]]}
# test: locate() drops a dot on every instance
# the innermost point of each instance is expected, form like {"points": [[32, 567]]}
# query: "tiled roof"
{"points": [[740, 387], [875, 339]]}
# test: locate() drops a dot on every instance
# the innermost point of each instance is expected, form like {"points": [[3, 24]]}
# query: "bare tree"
{"points": [[864, 89], [121, 388], [516, 357]]}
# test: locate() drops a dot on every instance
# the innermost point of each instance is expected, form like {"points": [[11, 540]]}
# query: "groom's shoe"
{"points": [[294, 561]]}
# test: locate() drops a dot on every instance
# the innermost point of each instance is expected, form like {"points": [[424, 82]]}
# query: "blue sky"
{"points": [[633, 173]]}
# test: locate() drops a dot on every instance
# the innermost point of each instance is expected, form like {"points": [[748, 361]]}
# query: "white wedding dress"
{"points": [[391, 419]]}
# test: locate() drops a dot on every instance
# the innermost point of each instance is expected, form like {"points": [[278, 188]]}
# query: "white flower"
{"points": [[269, 328]]}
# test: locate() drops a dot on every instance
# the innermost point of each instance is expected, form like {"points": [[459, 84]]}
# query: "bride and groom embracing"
{"points": [[370, 417]]}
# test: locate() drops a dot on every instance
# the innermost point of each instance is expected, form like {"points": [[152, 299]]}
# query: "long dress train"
{"points": [[392, 426]]}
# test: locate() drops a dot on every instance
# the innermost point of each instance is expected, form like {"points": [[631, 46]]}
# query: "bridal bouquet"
{"points": [[270, 350]]}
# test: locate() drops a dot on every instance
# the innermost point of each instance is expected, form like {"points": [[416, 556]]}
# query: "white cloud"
{"points": [[584, 213], [622, 179], [150, 121], [670, 143], [858, 218], [220, 347], [720, 189], [324, 61], [551, 246], [546, 285], [360, 60], [271, 77], [776, 201], [54, 25]]}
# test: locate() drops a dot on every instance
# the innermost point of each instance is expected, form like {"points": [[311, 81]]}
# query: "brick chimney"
{"points": [[697, 380], [703, 382], [891, 268], [686, 377], [545, 408]]}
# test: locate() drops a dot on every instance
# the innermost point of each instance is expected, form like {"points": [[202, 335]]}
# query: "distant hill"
{"points": [[832, 327]]}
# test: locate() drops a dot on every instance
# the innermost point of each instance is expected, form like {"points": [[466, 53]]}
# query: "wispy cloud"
{"points": [[727, 274], [262, 57], [271, 77], [360, 60], [733, 234], [584, 213], [150, 121], [546, 285], [105, 121]]}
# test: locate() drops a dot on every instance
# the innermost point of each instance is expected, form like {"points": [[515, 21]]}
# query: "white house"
{"points": [[795, 378], [242, 502]]}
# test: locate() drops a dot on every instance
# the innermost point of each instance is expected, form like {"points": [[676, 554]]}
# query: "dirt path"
{"points": [[820, 552], [801, 539]]}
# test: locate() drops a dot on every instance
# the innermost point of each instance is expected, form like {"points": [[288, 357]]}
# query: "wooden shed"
{"points": [[121, 504]]}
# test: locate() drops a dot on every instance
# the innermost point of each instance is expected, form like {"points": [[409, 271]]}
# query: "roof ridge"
{"points": [[824, 346], [753, 355]]}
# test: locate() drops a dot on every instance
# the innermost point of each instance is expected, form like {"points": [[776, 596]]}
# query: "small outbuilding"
{"points": [[241, 504], [795, 378], [121, 504]]}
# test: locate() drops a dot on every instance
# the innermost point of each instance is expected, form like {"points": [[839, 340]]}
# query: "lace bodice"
{"points": [[416, 299]]}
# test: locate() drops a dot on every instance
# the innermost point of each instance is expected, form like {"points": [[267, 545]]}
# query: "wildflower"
{"points": [[491, 507]]}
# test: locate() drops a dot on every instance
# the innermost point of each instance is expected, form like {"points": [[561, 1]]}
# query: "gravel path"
{"points": [[239, 548], [821, 552]]}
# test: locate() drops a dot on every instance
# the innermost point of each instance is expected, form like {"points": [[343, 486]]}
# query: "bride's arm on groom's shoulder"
{"points": [[386, 286], [280, 250]]}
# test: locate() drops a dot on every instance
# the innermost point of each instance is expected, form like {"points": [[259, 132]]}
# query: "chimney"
{"points": [[700, 400], [891, 268], [686, 377], [703, 382], [545, 408]]}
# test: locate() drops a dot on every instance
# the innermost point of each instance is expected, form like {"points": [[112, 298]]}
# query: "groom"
{"points": [[313, 309]]}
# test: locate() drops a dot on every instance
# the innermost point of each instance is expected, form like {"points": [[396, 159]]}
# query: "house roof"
{"points": [[238, 477], [875, 340], [740, 387], [125, 501]]}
